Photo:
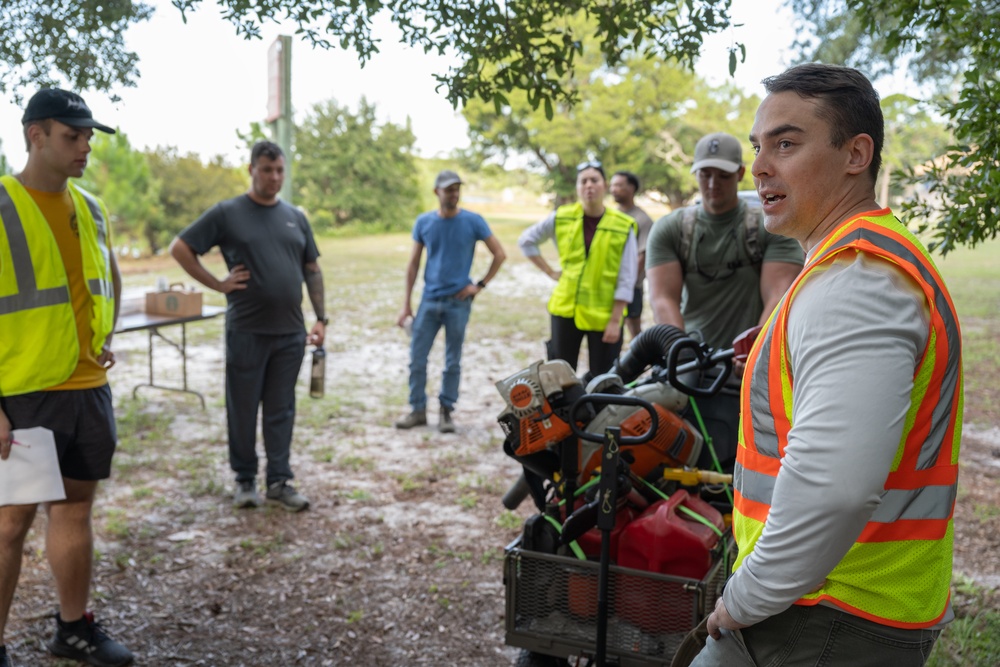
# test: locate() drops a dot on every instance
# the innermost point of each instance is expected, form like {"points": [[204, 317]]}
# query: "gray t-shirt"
{"points": [[721, 296], [274, 243]]}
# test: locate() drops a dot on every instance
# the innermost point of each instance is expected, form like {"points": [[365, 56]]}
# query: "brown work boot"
{"points": [[415, 418], [445, 424]]}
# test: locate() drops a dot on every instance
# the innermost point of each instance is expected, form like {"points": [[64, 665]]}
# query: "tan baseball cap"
{"points": [[720, 150]]}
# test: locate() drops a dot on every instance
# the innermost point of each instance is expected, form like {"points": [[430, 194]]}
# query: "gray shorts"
{"points": [[82, 421]]}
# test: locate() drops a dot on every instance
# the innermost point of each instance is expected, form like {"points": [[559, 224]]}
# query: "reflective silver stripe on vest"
{"points": [[930, 450], [28, 295], [98, 286], [928, 502], [102, 225], [765, 436], [753, 485]]}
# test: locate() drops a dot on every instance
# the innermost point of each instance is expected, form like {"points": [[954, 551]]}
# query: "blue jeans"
{"points": [[818, 636], [453, 315]]}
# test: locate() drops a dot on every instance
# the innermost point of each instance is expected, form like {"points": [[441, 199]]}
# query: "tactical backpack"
{"points": [[751, 225]]}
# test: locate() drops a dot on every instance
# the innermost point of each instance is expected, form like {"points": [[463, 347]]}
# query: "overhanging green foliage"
{"points": [[81, 40], [643, 115], [953, 48]]}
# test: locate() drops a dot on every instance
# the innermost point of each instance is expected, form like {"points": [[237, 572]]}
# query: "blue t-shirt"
{"points": [[450, 244]]}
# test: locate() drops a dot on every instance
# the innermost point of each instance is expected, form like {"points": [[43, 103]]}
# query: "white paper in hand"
{"points": [[31, 473]]}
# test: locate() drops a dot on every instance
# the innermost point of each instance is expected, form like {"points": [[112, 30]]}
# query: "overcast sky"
{"points": [[200, 82]]}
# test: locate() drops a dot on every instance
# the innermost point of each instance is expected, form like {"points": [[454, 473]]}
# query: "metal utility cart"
{"points": [[551, 606]]}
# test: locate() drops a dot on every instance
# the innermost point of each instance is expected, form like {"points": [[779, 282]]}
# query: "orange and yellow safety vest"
{"points": [[898, 572]]}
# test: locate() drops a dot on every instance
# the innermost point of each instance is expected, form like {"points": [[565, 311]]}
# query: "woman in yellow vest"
{"points": [[598, 264]]}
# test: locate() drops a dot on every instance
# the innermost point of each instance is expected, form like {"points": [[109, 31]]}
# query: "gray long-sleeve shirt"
{"points": [[856, 332], [544, 230]]}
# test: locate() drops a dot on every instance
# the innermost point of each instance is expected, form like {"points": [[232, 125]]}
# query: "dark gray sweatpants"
{"points": [[261, 370]]}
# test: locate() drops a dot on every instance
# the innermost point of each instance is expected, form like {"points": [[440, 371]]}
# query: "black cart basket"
{"points": [[551, 606]]}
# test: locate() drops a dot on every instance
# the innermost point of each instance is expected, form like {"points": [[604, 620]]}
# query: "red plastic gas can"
{"points": [[666, 540], [590, 541]]}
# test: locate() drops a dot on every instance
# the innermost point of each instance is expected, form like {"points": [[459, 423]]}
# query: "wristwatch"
{"points": [[325, 321], [481, 285]]}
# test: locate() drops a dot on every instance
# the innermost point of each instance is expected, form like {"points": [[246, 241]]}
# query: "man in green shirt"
{"points": [[713, 269], [725, 273]]}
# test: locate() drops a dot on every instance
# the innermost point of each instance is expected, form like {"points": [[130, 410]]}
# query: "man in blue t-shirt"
{"points": [[450, 235]]}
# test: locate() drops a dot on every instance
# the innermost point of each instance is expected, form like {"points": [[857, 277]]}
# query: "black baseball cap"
{"points": [[61, 105]]}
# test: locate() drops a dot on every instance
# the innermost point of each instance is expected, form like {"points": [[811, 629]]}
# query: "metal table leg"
{"points": [[182, 348]]}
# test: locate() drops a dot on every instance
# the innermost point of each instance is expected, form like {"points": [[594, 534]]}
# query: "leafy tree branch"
{"points": [[500, 46]]}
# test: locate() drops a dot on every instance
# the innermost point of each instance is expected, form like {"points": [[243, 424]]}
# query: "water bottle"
{"points": [[318, 375]]}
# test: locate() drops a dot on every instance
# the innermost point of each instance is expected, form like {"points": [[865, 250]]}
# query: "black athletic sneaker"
{"points": [[90, 645]]}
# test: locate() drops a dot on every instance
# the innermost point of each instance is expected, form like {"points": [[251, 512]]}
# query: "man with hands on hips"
{"points": [[270, 251]]}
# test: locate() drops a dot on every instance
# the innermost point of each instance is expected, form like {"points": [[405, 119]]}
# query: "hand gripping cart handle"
{"points": [[611, 441]]}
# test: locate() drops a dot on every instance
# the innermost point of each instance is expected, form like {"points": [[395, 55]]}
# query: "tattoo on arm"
{"points": [[314, 286]]}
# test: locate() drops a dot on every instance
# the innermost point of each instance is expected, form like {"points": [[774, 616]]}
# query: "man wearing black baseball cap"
{"points": [[63, 106], [59, 303]]}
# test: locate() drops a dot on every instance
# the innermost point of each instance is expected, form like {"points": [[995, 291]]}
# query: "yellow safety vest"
{"points": [[898, 572], [39, 347], [586, 287]]}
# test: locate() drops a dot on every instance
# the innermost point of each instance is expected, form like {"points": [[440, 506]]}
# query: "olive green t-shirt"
{"points": [[721, 295]]}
